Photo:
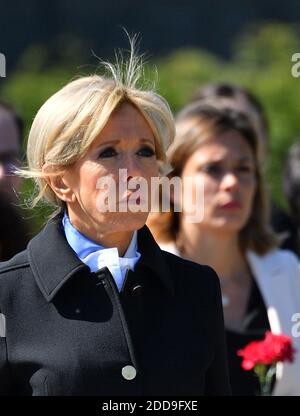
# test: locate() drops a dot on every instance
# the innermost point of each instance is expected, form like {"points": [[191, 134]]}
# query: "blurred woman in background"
{"points": [[236, 97], [260, 283]]}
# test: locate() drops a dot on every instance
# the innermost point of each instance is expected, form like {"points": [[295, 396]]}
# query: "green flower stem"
{"points": [[265, 378]]}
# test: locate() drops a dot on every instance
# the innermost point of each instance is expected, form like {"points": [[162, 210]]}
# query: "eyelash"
{"points": [[111, 152], [211, 169], [215, 169], [245, 169], [105, 152]]}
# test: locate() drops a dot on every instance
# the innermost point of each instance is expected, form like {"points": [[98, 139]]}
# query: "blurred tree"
{"points": [[182, 71], [34, 80], [261, 61]]}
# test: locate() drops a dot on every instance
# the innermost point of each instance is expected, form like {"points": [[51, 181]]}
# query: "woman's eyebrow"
{"points": [[241, 159], [107, 143], [118, 141], [245, 159], [238, 158], [144, 140]]}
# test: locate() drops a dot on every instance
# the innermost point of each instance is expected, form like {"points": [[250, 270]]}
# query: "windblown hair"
{"points": [[70, 120], [196, 124]]}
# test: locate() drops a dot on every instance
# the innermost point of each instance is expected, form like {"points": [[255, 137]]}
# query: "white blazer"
{"points": [[277, 275]]}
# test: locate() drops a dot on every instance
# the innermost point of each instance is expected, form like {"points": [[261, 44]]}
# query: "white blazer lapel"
{"points": [[268, 276]]}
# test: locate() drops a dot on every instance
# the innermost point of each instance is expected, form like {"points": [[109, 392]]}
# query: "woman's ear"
{"points": [[58, 183]]}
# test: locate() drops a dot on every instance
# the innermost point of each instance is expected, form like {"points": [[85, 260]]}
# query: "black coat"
{"points": [[70, 331]]}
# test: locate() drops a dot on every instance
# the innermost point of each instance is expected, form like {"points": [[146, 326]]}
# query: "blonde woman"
{"points": [[260, 283], [93, 306]]}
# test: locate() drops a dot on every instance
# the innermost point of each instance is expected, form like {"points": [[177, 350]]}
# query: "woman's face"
{"points": [[126, 143], [226, 168]]}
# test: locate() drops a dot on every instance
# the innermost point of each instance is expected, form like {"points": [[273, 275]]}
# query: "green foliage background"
{"points": [[260, 60]]}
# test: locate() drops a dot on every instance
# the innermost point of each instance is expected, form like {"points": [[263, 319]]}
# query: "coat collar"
{"points": [[264, 265], [53, 262]]}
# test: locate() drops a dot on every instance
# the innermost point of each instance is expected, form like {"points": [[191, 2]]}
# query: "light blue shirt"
{"points": [[96, 256]]}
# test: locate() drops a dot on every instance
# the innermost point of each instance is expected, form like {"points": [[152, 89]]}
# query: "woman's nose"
{"points": [[230, 180], [132, 167]]}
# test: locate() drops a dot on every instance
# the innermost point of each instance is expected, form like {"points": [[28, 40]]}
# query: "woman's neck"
{"points": [[219, 250], [120, 240]]}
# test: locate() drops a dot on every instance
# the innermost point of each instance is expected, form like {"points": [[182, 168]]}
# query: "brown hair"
{"points": [[240, 98], [196, 124]]}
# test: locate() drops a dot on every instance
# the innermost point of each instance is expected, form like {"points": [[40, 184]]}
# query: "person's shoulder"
{"points": [[290, 263], [12, 272], [172, 255], [287, 255], [277, 256], [196, 285], [188, 271], [279, 263], [19, 261]]}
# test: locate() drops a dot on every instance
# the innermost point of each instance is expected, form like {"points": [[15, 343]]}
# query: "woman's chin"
{"points": [[231, 227], [224, 225], [124, 221]]}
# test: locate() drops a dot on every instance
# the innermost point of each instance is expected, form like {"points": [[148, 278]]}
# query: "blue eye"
{"points": [[108, 152], [146, 151]]}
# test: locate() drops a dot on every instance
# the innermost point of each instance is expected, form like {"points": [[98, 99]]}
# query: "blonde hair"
{"points": [[198, 123], [70, 120]]}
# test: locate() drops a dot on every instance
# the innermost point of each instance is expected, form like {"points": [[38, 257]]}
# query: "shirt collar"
{"points": [[83, 246], [53, 261], [97, 256]]}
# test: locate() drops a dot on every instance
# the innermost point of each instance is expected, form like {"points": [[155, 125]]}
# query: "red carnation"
{"points": [[257, 355], [270, 350]]}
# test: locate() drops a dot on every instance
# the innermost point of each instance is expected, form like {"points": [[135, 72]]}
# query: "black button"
{"points": [[136, 289]]}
